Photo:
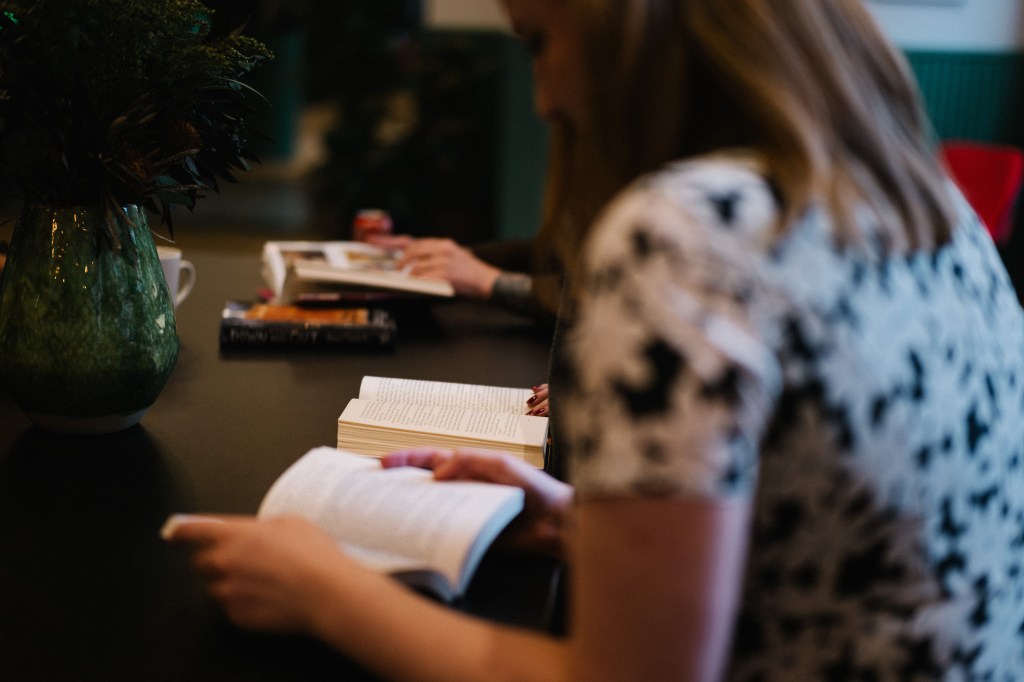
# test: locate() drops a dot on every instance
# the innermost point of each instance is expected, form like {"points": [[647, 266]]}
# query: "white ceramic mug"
{"points": [[173, 265]]}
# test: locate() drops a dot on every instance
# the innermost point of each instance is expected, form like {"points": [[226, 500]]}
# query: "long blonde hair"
{"points": [[811, 85]]}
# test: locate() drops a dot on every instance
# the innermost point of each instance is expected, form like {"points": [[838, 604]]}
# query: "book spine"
{"points": [[237, 334]]}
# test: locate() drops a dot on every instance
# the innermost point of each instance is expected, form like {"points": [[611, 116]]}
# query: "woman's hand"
{"points": [[443, 259], [540, 526], [537, 404], [269, 574]]}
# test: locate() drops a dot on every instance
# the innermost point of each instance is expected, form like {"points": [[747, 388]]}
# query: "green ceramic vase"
{"points": [[87, 333]]}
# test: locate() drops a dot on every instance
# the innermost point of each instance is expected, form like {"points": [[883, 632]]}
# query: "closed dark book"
{"points": [[248, 325]]}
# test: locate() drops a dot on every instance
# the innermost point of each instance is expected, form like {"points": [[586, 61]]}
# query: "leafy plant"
{"points": [[115, 102]]}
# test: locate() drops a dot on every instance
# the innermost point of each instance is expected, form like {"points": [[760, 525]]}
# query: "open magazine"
{"points": [[349, 269]]}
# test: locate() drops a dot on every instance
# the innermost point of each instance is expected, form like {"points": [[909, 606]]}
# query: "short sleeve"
{"points": [[672, 381]]}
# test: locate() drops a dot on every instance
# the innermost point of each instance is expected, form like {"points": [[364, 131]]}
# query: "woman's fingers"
{"points": [[482, 465], [422, 457], [468, 464], [537, 404], [195, 528]]}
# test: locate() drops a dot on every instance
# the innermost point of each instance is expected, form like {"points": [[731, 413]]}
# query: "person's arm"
{"points": [[443, 259], [285, 575], [472, 275], [656, 582], [403, 636], [514, 291], [656, 585]]}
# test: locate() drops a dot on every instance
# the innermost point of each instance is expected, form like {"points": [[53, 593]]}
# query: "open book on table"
{"points": [[391, 414], [348, 269], [429, 534]]}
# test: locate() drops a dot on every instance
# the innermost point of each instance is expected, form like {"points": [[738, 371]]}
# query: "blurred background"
{"points": [[420, 108], [423, 107]]}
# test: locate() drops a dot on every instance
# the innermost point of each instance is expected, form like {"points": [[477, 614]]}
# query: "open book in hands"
{"points": [[429, 534], [394, 414]]}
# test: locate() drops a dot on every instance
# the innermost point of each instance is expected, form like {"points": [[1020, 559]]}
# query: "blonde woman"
{"points": [[794, 405]]}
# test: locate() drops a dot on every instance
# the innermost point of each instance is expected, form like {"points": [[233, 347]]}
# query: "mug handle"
{"points": [[187, 281]]}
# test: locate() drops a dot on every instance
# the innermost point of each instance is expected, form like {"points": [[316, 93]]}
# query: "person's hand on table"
{"points": [[442, 259], [539, 527], [268, 574]]}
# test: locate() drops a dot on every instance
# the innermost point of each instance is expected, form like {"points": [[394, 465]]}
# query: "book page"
{"points": [[495, 426], [278, 256], [463, 396], [320, 271], [394, 519]]}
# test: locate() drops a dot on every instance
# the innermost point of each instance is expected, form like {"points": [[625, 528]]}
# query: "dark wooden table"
{"points": [[87, 589]]}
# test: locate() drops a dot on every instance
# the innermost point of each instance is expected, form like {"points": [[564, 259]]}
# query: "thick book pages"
{"points": [[429, 534], [248, 325], [297, 269], [392, 414]]}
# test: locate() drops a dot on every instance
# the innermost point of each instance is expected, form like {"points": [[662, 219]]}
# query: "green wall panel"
{"points": [[522, 146], [977, 96]]}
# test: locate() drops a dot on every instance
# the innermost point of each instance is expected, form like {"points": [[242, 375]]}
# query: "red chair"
{"points": [[990, 176]]}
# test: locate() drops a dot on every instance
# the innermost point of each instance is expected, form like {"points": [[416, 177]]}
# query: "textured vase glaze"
{"points": [[87, 333]]}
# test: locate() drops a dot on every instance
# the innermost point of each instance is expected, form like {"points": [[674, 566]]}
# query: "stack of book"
{"points": [[247, 324], [325, 294], [393, 414]]}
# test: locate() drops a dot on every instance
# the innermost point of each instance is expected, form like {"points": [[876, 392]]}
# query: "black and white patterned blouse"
{"points": [[873, 404]]}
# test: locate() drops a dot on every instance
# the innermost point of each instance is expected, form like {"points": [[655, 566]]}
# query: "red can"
{"points": [[371, 221]]}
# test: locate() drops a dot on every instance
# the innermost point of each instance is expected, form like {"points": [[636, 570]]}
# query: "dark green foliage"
{"points": [[116, 102]]}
